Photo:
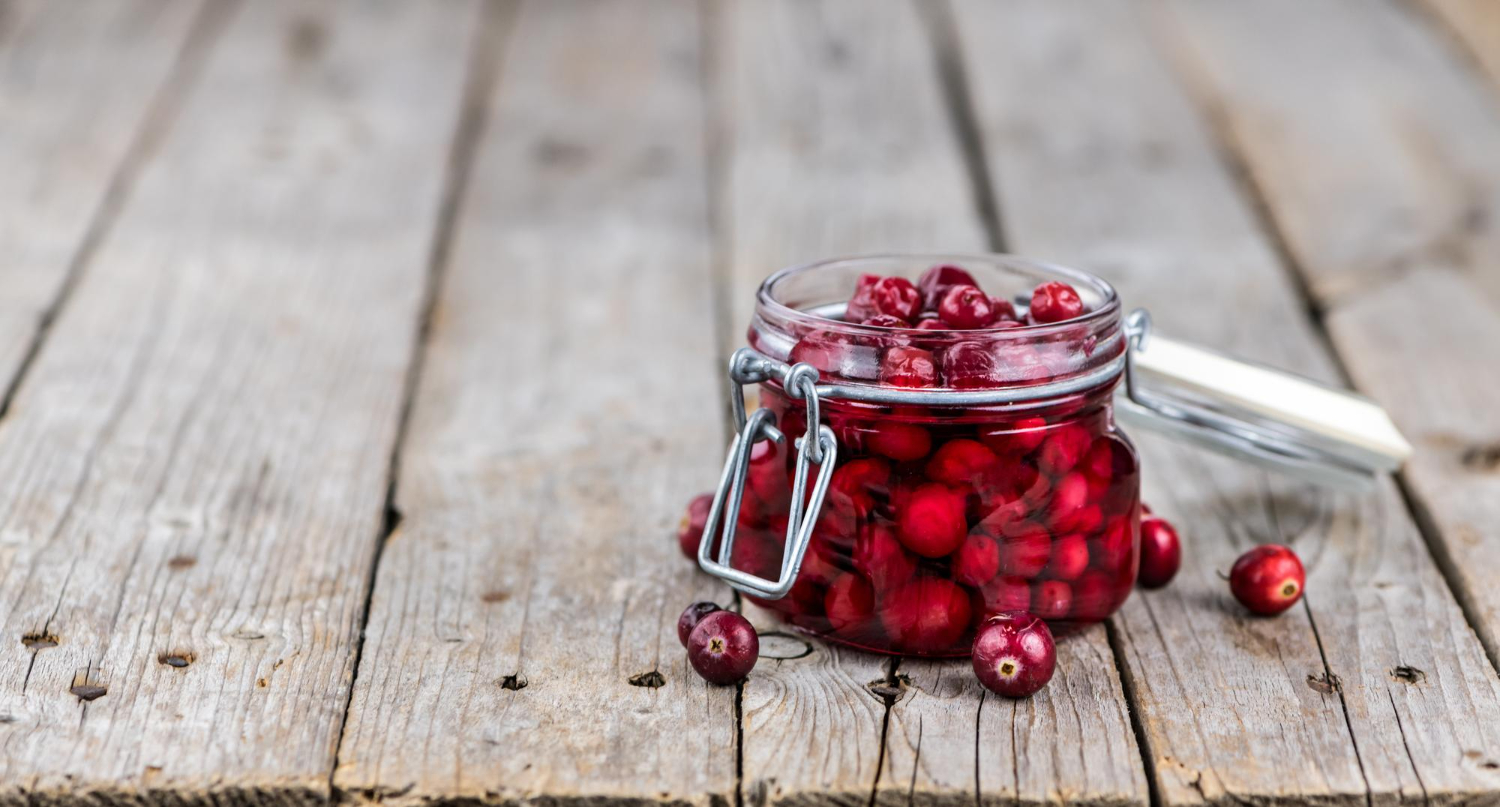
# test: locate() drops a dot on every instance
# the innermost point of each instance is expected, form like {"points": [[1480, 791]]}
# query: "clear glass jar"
{"points": [[942, 512]]}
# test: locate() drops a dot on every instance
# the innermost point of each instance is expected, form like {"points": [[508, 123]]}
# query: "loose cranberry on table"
{"points": [[690, 528], [723, 647], [1014, 654], [1054, 302], [690, 618], [1267, 579], [1161, 553], [966, 308]]}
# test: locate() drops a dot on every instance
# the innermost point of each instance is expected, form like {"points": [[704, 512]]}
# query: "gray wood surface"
{"points": [[1476, 24], [864, 160], [82, 89], [567, 410], [1231, 707], [192, 472]]}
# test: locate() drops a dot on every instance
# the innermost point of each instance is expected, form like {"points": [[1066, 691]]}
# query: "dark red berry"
{"points": [[1025, 553], [961, 461], [1267, 579], [886, 321], [690, 618], [931, 521], [1054, 302], [966, 308], [830, 353], [1004, 311], [936, 281], [927, 615], [896, 297], [902, 442], [1161, 553], [881, 558], [1070, 556], [1095, 596], [1115, 547], [861, 305], [1052, 599], [869, 476], [1005, 594], [969, 365], [908, 367], [1063, 448], [1014, 654], [977, 560], [1069, 496], [1015, 439], [849, 603], [723, 647], [690, 528], [931, 324]]}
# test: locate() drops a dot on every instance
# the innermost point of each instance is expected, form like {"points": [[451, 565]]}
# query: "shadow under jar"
{"points": [[999, 482]]}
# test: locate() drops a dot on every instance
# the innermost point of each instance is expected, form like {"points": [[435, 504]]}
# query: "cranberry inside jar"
{"points": [[1007, 488]]}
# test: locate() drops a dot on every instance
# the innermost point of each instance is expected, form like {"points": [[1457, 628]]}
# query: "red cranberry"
{"points": [[1014, 654], [932, 520], [1003, 595], [927, 615], [1025, 553], [1095, 596], [908, 367], [1161, 553], [1089, 519], [931, 324], [723, 647], [1020, 437], [960, 462], [1055, 302], [935, 282], [886, 321], [1070, 556], [896, 297], [850, 603], [861, 305], [881, 558], [902, 442], [830, 353], [1108, 458], [1267, 579], [969, 365], [1069, 496], [1063, 448], [690, 618], [867, 476], [977, 560], [1004, 312], [1052, 599], [966, 308], [1115, 547], [690, 528]]}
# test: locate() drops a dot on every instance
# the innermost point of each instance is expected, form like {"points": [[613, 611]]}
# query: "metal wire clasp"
{"points": [[800, 381]]}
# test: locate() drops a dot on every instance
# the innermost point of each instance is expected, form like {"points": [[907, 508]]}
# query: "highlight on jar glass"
{"points": [[937, 444]]}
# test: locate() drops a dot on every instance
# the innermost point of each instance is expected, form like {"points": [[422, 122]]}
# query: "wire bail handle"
{"points": [[801, 382]]}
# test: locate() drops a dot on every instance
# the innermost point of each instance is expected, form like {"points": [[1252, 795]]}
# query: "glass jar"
{"points": [[955, 505]]}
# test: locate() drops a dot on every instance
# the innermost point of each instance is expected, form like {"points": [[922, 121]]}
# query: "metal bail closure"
{"points": [[800, 381], [1268, 417]]}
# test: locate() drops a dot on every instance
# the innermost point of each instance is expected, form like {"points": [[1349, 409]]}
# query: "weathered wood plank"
{"points": [[78, 88], [837, 141], [567, 411], [192, 475], [1112, 170], [1389, 209], [1477, 24]]}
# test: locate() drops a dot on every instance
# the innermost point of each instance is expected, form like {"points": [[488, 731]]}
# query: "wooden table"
{"points": [[358, 358]]}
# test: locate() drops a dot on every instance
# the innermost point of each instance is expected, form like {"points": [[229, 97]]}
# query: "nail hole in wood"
{"points": [[651, 680], [88, 692], [1326, 684], [180, 562], [178, 660], [7, 719], [39, 641], [495, 596], [514, 682], [1483, 458], [1408, 675]]}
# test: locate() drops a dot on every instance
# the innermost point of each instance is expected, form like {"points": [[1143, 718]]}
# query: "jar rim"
{"points": [[1109, 307]]}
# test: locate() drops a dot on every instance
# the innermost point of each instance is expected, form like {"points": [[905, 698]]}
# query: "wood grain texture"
{"points": [[1389, 210], [864, 159], [76, 82], [568, 409], [193, 472], [1111, 169], [1476, 23]]}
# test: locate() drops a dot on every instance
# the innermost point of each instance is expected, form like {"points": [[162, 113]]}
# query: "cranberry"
{"points": [[849, 603], [927, 615], [1089, 519], [862, 306], [1095, 596], [723, 647], [1161, 553], [961, 461], [936, 281], [886, 321], [1068, 497], [902, 442], [1004, 312], [1025, 553], [966, 308], [931, 324], [1070, 556], [932, 520], [977, 560], [1014, 654], [969, 365], [881, 558], [1063, 448], [1020, 437], [690, 528], [1006, 594], [908, 367], [1054, 302], [1115, 547], [690, 618], [1109, 457], [829, 353], [867, 476], [1267, 579], [1052, 599], [896, 297]]}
